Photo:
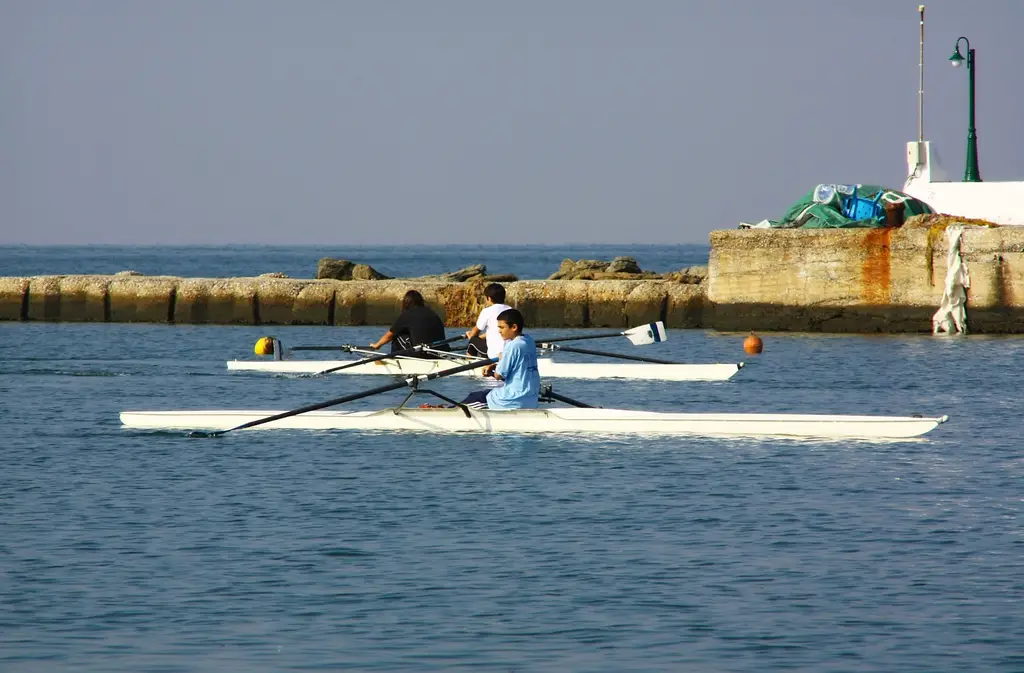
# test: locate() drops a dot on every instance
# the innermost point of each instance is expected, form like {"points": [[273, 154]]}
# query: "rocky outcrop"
{"points": [[466, 273], [335, 269], [624, 265], [367, 272], [620, 268], [343, 269], [691, 275], [471, 273]]}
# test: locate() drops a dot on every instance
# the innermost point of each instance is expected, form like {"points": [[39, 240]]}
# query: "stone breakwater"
{"points": [[286, 301], [825, 280]]}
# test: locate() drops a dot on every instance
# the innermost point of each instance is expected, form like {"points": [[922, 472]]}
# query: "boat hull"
{"points": [[547, 367], [557, 420]]}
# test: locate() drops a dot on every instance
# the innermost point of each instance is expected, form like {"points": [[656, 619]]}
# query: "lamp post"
{"points": [[971, 173]]}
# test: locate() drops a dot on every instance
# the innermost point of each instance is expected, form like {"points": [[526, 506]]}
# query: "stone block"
{"points": [[281, 301], [84, 298], [684, 306], [576, 296], [792, 267], [44, 298], [607, 301], [315, 304], [349, 303], [383, 301], [13, 298], [646, 302], [542, 303], [223, 301], [142, 298]]}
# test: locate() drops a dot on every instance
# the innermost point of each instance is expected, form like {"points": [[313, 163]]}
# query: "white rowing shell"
{"points": [[557, 420], [547, 367]]}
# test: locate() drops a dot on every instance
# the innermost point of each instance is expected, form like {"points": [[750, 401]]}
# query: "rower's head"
{"points": [[494, 293], [510, 324], [411, 298]]}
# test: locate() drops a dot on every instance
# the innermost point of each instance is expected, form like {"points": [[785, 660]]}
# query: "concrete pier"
{"points": [[830, 280], [860, 280]]}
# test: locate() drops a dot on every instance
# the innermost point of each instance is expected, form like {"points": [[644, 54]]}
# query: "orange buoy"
{"points": [[753, 344]]}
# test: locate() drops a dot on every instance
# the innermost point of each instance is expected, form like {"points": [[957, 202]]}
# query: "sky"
{"points": [[340, 122]]}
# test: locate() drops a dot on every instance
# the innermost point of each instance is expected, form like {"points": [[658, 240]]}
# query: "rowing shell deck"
{"points": [[558, 420], [547, 367]]}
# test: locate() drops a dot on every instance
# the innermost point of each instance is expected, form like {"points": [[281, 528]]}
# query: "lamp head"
{"points": [[956, 59]]}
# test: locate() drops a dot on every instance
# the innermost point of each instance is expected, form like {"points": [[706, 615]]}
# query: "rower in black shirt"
{"points": [[416, 324]]}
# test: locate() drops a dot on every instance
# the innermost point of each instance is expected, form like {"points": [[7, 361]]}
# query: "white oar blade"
{"points": [[645, 335]]}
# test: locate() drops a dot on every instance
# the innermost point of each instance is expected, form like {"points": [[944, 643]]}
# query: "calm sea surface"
{"points": [[297, 551], [526, 261]]}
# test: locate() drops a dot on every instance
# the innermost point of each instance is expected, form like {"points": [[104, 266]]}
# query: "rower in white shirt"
{"points": [[487, 324]]}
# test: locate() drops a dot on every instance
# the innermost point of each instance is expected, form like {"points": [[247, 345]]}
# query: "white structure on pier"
{"points": [[999, 202]]}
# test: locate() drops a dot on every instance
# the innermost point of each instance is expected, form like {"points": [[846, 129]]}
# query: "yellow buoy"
{"points": [[753, 344], [264, 346]]}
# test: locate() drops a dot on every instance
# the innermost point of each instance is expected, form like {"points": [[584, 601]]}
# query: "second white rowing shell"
{"points": [[547, 367]]}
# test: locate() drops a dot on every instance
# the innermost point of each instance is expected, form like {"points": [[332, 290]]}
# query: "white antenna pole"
{"points": [[920, 85]]}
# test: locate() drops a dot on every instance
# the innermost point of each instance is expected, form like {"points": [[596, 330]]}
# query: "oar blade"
{"points": [[644, 335]]}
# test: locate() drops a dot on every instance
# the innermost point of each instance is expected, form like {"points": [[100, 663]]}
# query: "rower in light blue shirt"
{"points": [[517, 367]]}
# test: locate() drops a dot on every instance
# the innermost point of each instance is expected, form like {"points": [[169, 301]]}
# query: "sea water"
{"points": [[525, 261], [288, 550]]}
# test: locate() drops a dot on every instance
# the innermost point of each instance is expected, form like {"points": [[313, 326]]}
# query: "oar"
{"points": [[385, 356], [343, 347], [441, 355], [451, 355], [548, 395], [411, 381], [585, 351], [643, 335], [348, 348]]}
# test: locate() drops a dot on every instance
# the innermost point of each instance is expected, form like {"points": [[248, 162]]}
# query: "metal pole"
{"points": [[971, 172], [920, 86]]}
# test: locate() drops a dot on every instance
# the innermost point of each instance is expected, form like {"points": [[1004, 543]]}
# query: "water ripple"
{"points": [[145, 551]]}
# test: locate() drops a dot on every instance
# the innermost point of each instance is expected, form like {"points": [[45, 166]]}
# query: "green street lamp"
{"points": [[971, 173]]}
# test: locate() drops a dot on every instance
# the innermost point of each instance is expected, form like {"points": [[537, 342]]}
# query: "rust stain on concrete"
{"points": [[876, 269]]}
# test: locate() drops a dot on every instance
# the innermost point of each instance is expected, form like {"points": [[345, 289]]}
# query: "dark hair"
{"points": [[511, 317], [411, 298], [495, 293]]}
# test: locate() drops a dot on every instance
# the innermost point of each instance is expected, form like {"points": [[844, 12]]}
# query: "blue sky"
{"points": [[471, 121]]}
